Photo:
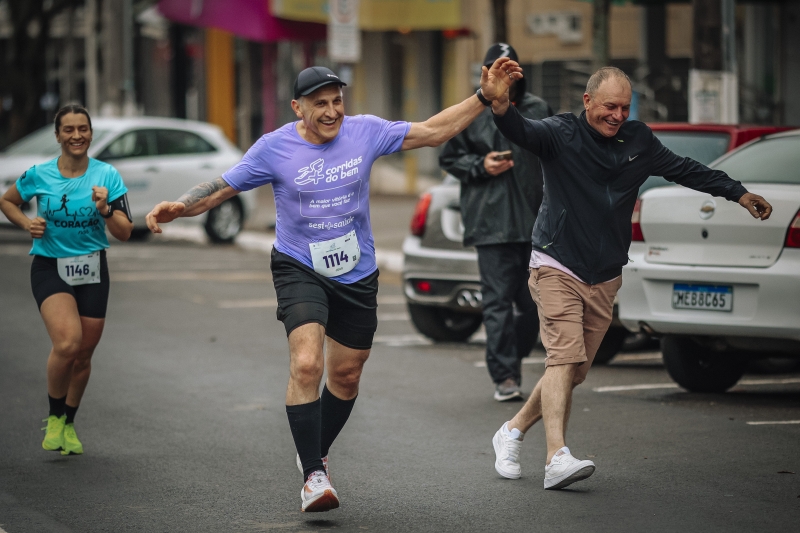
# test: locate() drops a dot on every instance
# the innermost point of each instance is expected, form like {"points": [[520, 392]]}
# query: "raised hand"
{"points": [[756, 205], [163, 213], [497, 80]]}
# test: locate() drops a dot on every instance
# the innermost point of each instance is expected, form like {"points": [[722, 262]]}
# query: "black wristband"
{"points": [[110, 212], [482, 98]]}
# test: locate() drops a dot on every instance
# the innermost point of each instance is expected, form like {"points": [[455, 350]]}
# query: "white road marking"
{"points": [[272, 302], [769, 381], [526, 361], [412, 339], [191, 275], [650, 386], [647, 386], [389, 317], [638, 357], [247, 304], [767, 423]]}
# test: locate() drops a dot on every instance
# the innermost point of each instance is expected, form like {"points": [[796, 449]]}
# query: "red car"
{"points": [[704, 142]]}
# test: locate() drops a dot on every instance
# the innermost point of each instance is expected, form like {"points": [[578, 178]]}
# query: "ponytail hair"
{"points": [[71, 108]]}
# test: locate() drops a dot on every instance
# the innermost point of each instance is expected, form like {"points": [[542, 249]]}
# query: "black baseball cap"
{"points": [[498, 50], [312, 79]]}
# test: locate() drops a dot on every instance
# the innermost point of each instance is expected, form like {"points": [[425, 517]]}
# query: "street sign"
{"points": [[344, 36]]}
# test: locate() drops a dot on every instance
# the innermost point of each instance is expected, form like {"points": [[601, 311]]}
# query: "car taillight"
{"points": [[420, 216], [793, 235], [636, 224]]}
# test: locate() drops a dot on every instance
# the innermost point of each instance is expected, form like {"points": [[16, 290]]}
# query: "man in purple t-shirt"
{"points": [[323, 261]]}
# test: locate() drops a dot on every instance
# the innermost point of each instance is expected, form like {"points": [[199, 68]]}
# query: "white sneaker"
{"points": [[506, 449], [564, 469], [318, 495], [324, 463]]}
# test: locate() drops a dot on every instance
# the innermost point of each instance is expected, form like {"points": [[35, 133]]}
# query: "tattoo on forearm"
{"points": [[204, 190]]}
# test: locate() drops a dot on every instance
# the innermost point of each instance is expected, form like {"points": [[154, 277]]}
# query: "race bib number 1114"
{"points": [[336, 256]]}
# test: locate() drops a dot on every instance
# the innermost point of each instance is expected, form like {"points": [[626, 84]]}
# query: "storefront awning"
{"points": [[249, 19], [379, 15]]}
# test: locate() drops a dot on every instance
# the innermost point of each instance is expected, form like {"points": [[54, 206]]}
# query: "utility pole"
{"points": [[713, 81], [90, 53], [129, 84], [600, 56], [499, 14]]}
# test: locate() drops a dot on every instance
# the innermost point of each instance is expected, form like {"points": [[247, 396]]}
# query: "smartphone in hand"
{"points": [[502, 156]]}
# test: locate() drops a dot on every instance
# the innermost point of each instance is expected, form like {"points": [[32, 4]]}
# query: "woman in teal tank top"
{"points": [[78, 198]]}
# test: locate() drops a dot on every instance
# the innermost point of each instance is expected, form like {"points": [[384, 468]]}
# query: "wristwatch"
{"points": [[482, 98], [110, 212]]}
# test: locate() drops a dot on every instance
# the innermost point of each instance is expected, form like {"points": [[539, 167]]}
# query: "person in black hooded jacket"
{"points": [[499, 202]]}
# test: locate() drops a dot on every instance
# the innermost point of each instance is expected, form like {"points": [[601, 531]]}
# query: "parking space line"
{"points": [[389, 317], [775, 422], [646, 386], [638, 357], [768, 381], [412, 339], [651, 386], [272, 302], [190, 275], [247, 304]]}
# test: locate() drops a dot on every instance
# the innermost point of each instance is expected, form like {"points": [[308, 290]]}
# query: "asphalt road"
{"points": [[184, 426]]}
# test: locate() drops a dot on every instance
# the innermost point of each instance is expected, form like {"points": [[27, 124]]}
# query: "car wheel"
{"points": [[225, 221], [611, 345], [697, 368], [139, 234], [444, 325]]}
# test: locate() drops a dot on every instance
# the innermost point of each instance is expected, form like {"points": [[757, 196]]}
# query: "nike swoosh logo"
{"points": [[632, 158]]}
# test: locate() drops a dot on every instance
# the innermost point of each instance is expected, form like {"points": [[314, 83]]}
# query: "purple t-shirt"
{"points": [[321, 190]]}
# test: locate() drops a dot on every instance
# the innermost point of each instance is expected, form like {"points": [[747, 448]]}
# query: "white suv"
{"points": [[719, 285]]}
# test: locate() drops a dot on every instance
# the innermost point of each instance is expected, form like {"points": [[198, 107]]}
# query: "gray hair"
{"points": [[602, 75]]}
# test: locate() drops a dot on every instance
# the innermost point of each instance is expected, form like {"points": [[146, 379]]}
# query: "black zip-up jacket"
{"points": [[496, 209], [591, 183]]}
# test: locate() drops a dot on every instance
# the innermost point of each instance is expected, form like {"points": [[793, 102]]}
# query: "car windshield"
{"points": [[775, 160], [43, 142], [703, 147]]}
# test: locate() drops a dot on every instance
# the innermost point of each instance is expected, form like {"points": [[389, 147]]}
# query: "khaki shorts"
{"points": [[573, 316]]}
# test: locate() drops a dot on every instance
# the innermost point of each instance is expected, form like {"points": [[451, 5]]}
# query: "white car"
{"points": [[719, 285], [158, 158]]}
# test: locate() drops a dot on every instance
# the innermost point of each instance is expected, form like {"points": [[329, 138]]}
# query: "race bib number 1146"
{"points": [[336, 256], [80, 270]]}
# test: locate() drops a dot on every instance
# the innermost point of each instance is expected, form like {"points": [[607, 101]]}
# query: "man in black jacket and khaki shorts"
{"points": [[593, 166]]}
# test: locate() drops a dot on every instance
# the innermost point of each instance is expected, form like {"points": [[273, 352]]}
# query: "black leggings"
{"points": [[92, 299]]}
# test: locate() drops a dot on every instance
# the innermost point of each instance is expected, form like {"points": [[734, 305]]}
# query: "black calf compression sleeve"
{"points": [[57, 406], [335, 413], [304, 421]]}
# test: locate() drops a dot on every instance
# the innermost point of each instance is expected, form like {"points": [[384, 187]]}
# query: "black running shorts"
{"points": [[348, 312], [92, 299]]}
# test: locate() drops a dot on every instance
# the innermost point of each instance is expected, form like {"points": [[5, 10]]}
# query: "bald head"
{"points": [[604, 74]]}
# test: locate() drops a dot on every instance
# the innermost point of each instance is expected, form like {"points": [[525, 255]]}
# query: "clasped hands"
{"points": [[496, 82]]}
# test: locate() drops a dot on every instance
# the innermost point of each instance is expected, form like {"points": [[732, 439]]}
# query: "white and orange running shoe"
{"points": [[318, 495]]}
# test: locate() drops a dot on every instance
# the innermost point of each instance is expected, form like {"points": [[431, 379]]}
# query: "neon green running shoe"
{"points": [[54, 433], [71, 443]]}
